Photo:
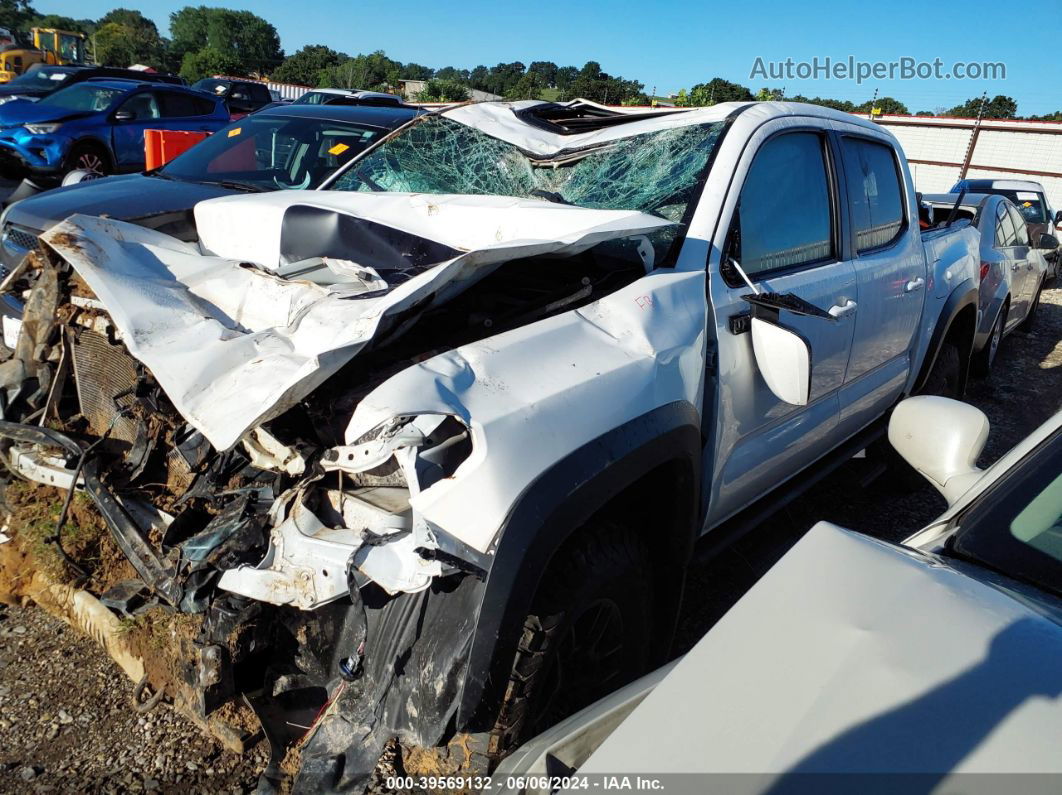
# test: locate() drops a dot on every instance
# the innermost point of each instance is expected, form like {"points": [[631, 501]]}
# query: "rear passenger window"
{"points": [[874, 193], [783, 215], [1021, 231], [1005, 235], [177, 105]]}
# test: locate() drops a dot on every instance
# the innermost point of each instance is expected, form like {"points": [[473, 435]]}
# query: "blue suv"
{"points": [[97, 125]]}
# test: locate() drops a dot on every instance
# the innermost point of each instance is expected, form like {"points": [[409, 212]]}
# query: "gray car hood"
{"points": [[128, 197], [853, 655]]}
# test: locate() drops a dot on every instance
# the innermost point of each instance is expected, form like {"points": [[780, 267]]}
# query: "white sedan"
{"points": [[939, 656]]}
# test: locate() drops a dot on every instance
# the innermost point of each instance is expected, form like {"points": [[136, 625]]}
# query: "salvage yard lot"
{"points": [[64, 707]]}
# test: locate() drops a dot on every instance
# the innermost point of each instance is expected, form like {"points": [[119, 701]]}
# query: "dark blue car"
{"points": [[97, 125]]}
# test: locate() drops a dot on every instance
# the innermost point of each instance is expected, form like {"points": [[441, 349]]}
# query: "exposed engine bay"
{"points": [[294, 515]]}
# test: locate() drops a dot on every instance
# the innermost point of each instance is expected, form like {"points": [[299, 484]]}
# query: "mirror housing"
{"points": [[124, 115], [941, 438], [784, 359], [1058, 218], [1047, 241]]}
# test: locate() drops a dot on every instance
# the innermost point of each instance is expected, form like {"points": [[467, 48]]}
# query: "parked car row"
{"points": [[1013, 266], [440, 403]]}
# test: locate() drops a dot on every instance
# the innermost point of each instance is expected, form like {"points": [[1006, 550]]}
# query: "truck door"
{"points": [[784, 233], [890, 270]]}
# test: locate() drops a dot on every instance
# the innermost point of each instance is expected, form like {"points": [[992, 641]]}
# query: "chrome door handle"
{"points": [[838, 310], [914, 284], [1015, 266]]}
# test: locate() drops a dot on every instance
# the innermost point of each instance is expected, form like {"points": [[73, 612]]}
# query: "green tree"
{"points": [[769, 94], [124, 37], [565, 76], [452, 74], [443, 91], [546, 71], [529, 86], [62, 23], [414, 71], [593, 84], [718, 90], [207, 62], [1056, 116], [888, 105], [16, 14], [372, 72], [1000, 107], [306, 66], [251, 42]]}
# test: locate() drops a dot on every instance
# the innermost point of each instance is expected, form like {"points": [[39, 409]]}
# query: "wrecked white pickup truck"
{"points": [[427, 450]]}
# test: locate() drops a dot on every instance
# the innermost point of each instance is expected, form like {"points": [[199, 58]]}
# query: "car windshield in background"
{"points": [[42, 78], [1017, 529], [272, 152], [313, 98], [212, 86], [1028, 204], [655, 172], [83, 96]]}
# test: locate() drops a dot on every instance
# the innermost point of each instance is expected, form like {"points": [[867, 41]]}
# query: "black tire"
{"points": [[1029, 323], [588, 633], [91, 157], [946, 376], [986, 357]]}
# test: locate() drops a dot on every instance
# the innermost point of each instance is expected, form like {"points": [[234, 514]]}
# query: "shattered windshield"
{"points": [[655, 172]]}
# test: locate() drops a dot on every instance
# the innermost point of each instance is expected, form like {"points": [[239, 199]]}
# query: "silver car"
{"points": [[1013, 266]]}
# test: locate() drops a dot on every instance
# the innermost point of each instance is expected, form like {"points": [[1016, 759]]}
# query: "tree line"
{"points": [[204, 41]]}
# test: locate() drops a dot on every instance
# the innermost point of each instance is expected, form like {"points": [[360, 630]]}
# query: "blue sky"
{"points": [[670, 44]]}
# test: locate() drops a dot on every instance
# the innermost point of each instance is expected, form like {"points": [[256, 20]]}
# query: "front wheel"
{"points": [[89, 157], [946, 376], [588, 633]]}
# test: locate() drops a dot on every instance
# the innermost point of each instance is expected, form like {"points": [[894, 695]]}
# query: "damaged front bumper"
{"points": [[206, 407]]}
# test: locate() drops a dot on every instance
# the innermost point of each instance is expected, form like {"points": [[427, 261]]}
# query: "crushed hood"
{"points": [[233, 342]]}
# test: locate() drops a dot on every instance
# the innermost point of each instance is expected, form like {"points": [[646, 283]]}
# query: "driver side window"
{"points": [[783, 219]]}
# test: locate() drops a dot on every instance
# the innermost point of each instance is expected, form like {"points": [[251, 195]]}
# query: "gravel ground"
{"points": [[64, 707]]}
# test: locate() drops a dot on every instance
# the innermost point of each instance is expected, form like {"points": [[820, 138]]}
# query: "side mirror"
{"points": [[124, 115], [1047, 241], [1058, 218], [941, 438], [784, 359]]}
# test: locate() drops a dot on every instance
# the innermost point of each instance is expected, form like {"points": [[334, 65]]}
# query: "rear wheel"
{"points": [[89, 157], [587, 634], [986, 358]]}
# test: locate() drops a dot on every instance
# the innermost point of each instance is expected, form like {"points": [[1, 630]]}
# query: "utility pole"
{"points": [[973, 137]]}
